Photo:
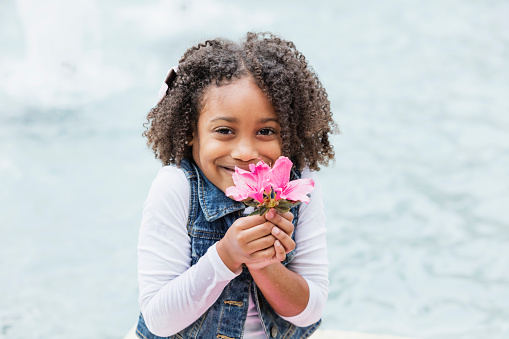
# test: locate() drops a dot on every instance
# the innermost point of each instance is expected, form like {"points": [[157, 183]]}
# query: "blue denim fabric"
{"points": [[211, 213]]}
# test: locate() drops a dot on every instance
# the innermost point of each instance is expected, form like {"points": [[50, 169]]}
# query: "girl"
{"points": [[205, 268]]}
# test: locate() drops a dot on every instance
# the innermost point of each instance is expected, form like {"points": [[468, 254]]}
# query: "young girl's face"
{"points": [[237, 126]]}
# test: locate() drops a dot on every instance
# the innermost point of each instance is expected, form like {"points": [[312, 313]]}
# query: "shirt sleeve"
{"points": [[310, 260], [172, 293]]}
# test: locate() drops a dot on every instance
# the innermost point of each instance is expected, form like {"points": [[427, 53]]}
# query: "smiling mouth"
{"points": [[231, 169], [228, 169]]}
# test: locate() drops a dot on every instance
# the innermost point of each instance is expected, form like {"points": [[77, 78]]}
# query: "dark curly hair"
{"points": [[278, 68]]}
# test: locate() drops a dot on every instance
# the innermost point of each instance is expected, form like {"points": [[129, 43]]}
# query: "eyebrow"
{"points": [[227, 119], [235, 120]]}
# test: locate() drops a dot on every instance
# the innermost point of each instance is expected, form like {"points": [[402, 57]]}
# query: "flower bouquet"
{"points": [[264, 187]]}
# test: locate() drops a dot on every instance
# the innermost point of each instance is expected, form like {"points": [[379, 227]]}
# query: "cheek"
{"points": [[271, 153], [277, 149]]}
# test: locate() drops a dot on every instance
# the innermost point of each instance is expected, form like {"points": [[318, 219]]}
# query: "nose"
{"points": [[244, 150]]}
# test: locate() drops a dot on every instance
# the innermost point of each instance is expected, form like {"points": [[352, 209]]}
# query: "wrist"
{"points": [[226, 258], [261, 268]]}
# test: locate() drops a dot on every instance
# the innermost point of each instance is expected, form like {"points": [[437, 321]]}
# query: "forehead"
{"points": [[241, 97]]}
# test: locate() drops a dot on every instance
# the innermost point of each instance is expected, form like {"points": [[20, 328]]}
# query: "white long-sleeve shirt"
{"points": [[174, 294]]}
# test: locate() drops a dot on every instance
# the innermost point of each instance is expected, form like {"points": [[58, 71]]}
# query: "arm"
{"points": [[286, 291], [172, 293], [299, 291]]}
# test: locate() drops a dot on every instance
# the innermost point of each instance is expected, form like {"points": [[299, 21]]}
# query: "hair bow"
{"points": [[172, 74]]}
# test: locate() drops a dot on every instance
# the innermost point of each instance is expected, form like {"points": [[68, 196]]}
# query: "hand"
{"points": [[282, 232], [283, 243], [248, 240]]}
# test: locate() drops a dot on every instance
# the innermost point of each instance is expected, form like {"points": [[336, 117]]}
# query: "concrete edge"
{"points": [[319, 334]]}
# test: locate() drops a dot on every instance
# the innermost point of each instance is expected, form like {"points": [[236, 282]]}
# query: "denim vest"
{"points": [[211, 213]]}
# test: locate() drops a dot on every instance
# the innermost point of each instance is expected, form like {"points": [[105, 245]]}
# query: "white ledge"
{"points": [[330, 334], [319, 334]]}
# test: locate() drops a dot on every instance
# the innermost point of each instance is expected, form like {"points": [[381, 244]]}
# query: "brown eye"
{"points": [[224, 131], [266, 131]]}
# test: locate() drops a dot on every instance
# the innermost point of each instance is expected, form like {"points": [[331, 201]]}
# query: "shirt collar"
{"points": [[214, 203]]}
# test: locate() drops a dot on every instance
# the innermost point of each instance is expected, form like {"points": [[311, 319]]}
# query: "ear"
{"points": [[191, 142]]}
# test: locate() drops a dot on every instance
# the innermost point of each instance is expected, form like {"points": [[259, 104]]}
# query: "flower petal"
{"points": [[280, 173], [236, 193], [258, 196], [250, 184], [245, 183], [297, 190], [262, 171]]}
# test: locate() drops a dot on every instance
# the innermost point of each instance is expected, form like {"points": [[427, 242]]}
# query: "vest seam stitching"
{"points": [[288, 332], [198, 231], [201, 323], [222, 309], [138, 332]]}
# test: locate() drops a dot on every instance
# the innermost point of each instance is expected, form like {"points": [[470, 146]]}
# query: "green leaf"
{"points": [[288, 204], [263, 210], [252, 203], [255, 212], [282, 209], [284, 205]]}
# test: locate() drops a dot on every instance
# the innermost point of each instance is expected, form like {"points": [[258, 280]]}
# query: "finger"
{"points": [[281, 222], [288, 216], [248, 222], [262, 255], [270, 214], [256, 232], [284, 239], [280, 251], [260, 244]]}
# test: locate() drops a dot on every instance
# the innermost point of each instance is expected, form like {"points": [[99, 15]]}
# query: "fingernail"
{"points": [[276, 230]]}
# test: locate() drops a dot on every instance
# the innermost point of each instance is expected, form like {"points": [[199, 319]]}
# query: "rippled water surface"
{"points": [[416, 201]]}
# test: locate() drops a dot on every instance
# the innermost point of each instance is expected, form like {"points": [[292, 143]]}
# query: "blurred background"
{"points": [[417, 201]]}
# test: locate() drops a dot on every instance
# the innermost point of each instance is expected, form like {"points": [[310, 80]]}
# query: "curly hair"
{"points": [[281, 72]]}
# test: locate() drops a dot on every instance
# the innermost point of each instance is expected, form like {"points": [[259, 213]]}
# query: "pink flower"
{"points": [[250, 184], [296, 190], [269, 187]]}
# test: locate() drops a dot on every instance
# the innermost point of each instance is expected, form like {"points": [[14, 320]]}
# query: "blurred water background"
{"points": [[417, 201]]}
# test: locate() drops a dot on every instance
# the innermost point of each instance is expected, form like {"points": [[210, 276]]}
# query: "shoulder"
{"points": [[171, 175], [170, 185], [166, 208]]}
